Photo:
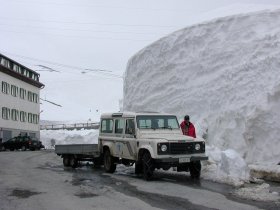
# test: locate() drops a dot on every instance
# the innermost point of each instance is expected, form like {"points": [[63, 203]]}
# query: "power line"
{"points": [[71, 29], [77, 37], [82, 70], [89, 23], [102, 6]]}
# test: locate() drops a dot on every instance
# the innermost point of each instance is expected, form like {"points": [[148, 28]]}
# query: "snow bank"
{"points": [[258, 193], [51, 137], [269, 172], [225, 75]]}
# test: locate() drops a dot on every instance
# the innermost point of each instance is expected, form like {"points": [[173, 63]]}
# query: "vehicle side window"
{"points": [[130, 127], [119, 125], [107, 126]]}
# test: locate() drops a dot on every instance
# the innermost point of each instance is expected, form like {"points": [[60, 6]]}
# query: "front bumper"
{"points": [[176, 160]]}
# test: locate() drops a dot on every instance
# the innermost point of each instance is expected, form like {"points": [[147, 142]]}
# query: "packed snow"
{"points": [[225, 75], [50, 138]]}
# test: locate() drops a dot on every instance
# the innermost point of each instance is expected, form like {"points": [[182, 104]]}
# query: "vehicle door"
{"points": [[130, 148], [10, 144], [17, 143], [119, 141]]}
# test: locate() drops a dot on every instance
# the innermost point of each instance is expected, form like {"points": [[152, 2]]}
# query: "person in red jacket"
{"points": [[187, 127]]}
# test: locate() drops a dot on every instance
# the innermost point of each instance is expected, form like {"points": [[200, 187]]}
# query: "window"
{"points": [[35, 118], [14, 90], [5, 113], [157, 122], [22, 116], [5, 62], [30, 117], [119, 125], [29, 96], [22, 93], [35, 97], [130, 127], [107, 126], [5, 87], [16, 68], [14, 115]]}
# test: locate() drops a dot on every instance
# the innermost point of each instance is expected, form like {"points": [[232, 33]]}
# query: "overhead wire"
{"points": [[100, 72]]}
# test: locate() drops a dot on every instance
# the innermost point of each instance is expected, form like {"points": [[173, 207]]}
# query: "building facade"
{"points": [[19, 100]]}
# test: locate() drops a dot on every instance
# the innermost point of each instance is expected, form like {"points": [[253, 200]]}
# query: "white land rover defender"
{"points": [[151, 141]]}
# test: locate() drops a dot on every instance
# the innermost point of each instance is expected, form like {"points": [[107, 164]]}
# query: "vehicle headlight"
{"points": [[197, 146], [163, 148]]}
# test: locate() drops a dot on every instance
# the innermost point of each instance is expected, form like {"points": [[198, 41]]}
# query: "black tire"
{"points": [[138, 167], [195, 168], [109, 165], [23, 148], [66, 161], [73, 162], [12, 149], [97, 162], [148, 166]]}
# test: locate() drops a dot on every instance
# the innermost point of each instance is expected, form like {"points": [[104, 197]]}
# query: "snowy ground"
{"points": [[226, 172]]}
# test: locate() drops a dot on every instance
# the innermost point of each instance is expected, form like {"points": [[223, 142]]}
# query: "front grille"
{"points": [[186, 148]]}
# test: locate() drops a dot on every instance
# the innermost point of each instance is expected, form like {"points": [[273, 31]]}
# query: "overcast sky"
{"points": [[90, 41]]}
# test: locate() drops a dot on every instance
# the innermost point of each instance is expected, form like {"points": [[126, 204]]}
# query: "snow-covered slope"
{"points": [[225, 74]]}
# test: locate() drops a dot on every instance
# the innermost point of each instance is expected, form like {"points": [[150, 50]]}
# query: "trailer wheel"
{"points": [[66, 161], [148, 166], [73, 162], [109, 165], [195, 168]]}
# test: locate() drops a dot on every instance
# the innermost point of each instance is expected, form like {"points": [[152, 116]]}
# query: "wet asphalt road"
{"points": [[38, 180]]}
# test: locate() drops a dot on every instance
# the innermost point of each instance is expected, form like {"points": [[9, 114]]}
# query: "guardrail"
{"points": [[77, 126]]}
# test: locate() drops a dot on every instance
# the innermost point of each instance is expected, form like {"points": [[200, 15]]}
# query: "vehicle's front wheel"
{"points": [[109, 165], [148, 166], [195, 168]]}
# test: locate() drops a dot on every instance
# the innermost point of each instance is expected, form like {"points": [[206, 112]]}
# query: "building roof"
{"points": [[19, 71]]}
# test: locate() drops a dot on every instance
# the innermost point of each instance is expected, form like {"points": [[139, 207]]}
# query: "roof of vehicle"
{"points": [[132, 114]]}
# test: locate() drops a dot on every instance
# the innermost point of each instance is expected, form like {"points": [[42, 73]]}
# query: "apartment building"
{"points": [[19, 100]]}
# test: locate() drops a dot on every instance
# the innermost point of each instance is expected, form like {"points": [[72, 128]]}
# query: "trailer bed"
{"points": [[78, 149]]}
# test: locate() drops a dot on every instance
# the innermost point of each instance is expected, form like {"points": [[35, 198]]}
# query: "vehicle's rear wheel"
{"points": [[109, 165], [148, 166], [73, 162], [12, 149], [195, 168], [23, 148], [66, 161]]}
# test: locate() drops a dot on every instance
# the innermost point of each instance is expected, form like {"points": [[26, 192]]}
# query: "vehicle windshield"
{"points": [[157, 122]]}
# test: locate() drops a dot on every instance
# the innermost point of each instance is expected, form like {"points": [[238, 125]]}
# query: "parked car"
{"points": [[39, 145], [21, 142]]}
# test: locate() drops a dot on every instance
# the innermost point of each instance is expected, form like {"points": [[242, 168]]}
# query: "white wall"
{"points": [[11, 102]]}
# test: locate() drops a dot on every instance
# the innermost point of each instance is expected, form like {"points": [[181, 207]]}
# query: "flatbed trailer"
{"points": [[72, 153]]}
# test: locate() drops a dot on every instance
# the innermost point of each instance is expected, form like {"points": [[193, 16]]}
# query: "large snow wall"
{"points": [[225, 74]]}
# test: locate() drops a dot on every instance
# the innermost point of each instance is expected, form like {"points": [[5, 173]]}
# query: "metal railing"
{"points": [[77, 126]]}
